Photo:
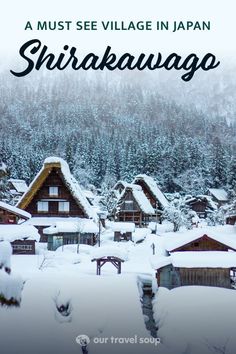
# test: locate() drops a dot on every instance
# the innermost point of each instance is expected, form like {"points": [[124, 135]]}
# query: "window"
{"points": [[64, 207], [129, 205], [12, 220], [42, 206], [22, 247], [53, 190]]}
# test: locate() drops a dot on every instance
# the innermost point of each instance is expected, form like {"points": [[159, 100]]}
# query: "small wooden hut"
{"points": [[204, 268]]}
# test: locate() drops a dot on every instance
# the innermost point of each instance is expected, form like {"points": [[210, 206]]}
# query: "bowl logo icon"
{"points": [[82, 340]]}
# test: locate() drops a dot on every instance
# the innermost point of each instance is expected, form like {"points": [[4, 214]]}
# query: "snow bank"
{"points": [[10, 286], [121, 226], [196, 320], [18, 232], [140, 234], [59, 260], [56, 307]]}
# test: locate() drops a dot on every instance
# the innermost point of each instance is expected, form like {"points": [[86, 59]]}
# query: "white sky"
{"points": [[220, 40]]}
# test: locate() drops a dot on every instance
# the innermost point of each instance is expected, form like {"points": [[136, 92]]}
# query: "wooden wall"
{"points": [[204, 243], [231, 220], [23, 247], [7, 217], [54, 179], [219, 277], [171, 277], [200, 207]]}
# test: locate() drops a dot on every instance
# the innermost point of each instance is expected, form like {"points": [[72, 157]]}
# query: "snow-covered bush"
{"points": [[10, 285], [10, 289], [5, 256]]}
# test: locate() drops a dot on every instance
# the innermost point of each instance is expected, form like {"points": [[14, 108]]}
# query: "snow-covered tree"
{"points": [[177, 213]]}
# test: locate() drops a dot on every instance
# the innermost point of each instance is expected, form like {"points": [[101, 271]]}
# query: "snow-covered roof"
{"points": [[47, 221], [18, 232], [202, 197], [142, 200], [224, 234], [191, 259], [19, 185], [140, 234], [15, 210], [139, 197], [211, 259], [111, 251], [77, 225], [158, 261], [152, 186], [69, 180], [122, 226], [219, 193], [123, 183]]}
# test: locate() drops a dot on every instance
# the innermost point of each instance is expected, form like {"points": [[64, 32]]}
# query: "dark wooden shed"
{"points": [[196, 268]]}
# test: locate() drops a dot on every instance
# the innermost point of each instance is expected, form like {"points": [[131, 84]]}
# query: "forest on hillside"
{"points": [[114, 128]]}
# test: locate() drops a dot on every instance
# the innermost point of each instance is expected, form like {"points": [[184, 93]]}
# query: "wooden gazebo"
{"points": [[115, 261]]}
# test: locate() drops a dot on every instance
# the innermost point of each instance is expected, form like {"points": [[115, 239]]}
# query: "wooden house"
{"points": [[123, 231], [202, 205], [133, 206], [118, 189], [12, 215], [71, 231], [22, 237], [197, 257], [120, 186], [218, 195], [54, 196], [17, 187], [153, 193]]}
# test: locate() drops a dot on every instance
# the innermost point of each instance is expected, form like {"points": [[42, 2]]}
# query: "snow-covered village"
{"points": [[121, 268], [117, 214], [117, 177]]}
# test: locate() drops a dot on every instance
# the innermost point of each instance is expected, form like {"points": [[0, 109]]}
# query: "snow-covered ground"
{"points": [[196, 319], [63, 298], [103, 306]]}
